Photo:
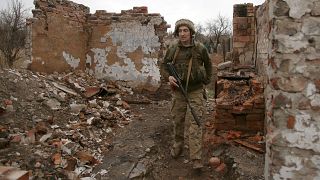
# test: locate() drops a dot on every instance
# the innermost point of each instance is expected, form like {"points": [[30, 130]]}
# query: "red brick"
{"points": [[317, 83], [7, 102], [255, 125], [242, 39], [281, 101], [291, 122], [238, 110], [239, 44], [255, 117], [257, 111], [274, 83], [222, 168], [240, 20], [224, 126], [259, 105], [247, 105], [15, 138], [304, 104], [224, 106], [13, 173]]}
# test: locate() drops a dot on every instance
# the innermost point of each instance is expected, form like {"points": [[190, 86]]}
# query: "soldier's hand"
{"points": [[173, 81]]}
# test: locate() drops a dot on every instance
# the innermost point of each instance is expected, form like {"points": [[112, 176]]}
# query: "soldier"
{"points": [[191, 61]]}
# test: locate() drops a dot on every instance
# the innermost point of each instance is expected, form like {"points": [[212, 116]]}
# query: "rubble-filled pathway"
{"points": [[72, 126]]}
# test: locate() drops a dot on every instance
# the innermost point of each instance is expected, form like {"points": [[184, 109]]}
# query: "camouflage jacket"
{"points": [[201, 70]]}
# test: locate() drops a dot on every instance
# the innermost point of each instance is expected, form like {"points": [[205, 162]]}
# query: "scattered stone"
{"points": [[214, 162], [45, 137], [139, 171], [4, 143], [53, 104]]}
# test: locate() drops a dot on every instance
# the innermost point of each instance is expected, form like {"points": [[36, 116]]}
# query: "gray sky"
{"points": [[199, 11]]}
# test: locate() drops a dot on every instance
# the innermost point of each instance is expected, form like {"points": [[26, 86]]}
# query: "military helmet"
{"points": [[185, 22]]}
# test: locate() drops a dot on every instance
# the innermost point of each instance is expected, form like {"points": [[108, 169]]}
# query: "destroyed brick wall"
{"points": [[57, 36], [243, 34], [240, 104], [126, 46], [122, 46], [289, 57]]}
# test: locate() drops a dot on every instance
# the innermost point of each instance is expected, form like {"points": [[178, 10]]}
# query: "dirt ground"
{"points": [[120, 134]]}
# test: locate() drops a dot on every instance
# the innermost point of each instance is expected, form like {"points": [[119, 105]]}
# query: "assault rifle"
{"points": [[174, 73]]}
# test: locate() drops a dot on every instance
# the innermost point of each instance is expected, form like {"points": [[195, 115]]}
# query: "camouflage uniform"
{"points": [[200, 75]]}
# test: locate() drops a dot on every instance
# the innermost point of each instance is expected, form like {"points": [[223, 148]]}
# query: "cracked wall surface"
{"points": [[124, 46], [288, 55], [243, 34]]}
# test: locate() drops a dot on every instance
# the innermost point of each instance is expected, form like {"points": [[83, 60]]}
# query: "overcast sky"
{"points": [[199, 11]]}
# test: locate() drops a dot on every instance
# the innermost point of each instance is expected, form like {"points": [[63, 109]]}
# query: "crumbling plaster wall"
{"points": [[126, 47], [122, 46], [288, 54]]}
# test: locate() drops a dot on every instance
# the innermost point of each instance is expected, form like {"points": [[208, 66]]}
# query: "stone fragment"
{"points": [[53, 104], [281, 101], [214, 162], [139, 171], [222, 168]]}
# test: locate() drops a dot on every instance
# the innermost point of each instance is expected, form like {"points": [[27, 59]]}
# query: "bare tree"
{"points": [[218, 27], [12, 31], [199, 34]]}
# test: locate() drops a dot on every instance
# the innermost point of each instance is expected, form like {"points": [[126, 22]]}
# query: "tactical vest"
{"points": [[197, 73]]}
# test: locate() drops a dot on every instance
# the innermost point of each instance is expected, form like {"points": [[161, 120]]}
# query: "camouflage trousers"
{"points": [[183, 118]]}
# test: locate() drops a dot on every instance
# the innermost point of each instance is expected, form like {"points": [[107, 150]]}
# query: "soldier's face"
{"points": [[184, 34]]}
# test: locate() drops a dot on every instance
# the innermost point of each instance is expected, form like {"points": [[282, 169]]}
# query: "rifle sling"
{"points": [[189, 72]]}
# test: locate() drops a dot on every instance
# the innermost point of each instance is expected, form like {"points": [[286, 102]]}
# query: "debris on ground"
{"points": [[71, 126], [58, 125]]}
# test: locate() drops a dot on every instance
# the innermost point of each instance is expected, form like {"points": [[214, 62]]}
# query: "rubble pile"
{"points": [[239, 103], [232, 154], [58, 125]]}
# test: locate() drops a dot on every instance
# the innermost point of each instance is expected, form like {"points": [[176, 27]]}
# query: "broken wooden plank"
{"points": [[65, 89], [248, 145]]}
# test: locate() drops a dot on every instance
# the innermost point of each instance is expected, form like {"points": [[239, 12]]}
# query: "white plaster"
{"points": [[127, 72], [315, 100], [311, 26], [299, 7], [311, 93], [88, 60], [293, 163], [73, 62], [316, 161], [100, 60], [311, 89], [131, 36], [156, 21], [301, 69], [291, 43], [103, 39], [306, 134]]}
